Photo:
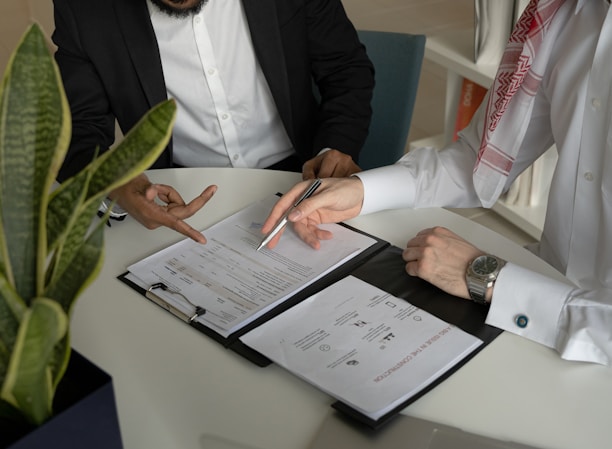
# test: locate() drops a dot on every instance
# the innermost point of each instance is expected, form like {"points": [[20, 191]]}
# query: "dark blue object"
{"points": [[521, 321], [85, 412], [397, 59]]}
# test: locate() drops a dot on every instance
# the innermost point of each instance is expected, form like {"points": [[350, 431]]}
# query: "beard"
{"points": [[179, 11]]}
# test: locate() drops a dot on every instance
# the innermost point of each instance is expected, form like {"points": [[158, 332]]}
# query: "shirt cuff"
{"points": [[529, 304], [389, 187]]}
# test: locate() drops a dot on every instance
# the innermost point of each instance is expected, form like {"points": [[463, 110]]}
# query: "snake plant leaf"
{"points": [[60, 359], [135, 153], [69, 248], [79, 270], [62, 209], [12, 309], [29, 380], [34, 137]]}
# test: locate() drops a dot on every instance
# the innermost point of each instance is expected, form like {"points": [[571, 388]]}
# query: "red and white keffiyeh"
{"points": [[512, 96]]}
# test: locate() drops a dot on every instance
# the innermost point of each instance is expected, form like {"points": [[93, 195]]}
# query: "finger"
{"points": [[208, 193], [309, 170], [412, 256], [151, 192], [272, 243], [283, 204], [416, 241], [328, 167], [408, 254], [307, 234], [425, 237], [185, 229], [306, 208], [335, 164], [412, 268], [167, 194], [425, 231], [323, 234], [319, 200], [194, 205]]}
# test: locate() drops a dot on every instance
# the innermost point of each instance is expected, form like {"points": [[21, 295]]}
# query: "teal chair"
{"points": [[397, 59]]}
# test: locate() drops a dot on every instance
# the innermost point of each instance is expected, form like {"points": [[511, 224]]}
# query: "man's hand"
{"points": [[330, 164], [138, 198], [335, 200], [440, 257]]}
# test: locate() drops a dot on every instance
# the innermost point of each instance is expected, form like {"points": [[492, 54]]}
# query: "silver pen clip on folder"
{"points": [[197, 310]]}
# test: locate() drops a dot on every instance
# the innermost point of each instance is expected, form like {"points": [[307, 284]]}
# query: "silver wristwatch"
{"points": [[481, 274]]}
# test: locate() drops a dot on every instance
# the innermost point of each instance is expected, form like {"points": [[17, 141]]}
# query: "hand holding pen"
{"points": [[337, 199], [283, 220]]}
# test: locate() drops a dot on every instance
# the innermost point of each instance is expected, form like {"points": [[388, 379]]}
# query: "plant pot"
{"points": [[85, 413]]}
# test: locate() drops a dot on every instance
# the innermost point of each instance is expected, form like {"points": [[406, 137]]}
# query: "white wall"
{"points": [[15, 17]]}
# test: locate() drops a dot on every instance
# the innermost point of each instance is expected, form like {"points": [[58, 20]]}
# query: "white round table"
{"points": [[175, 386]]}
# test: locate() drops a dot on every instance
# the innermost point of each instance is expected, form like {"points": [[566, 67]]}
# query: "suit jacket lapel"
{"points": [[263, 24], [137, 31]]}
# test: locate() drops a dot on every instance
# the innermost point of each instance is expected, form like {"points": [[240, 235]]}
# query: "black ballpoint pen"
{"points": [[283, 221]]}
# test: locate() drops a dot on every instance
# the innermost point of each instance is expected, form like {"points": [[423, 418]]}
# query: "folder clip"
{"points": [[198, 310]]}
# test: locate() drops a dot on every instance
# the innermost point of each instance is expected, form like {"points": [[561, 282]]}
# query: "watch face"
{"points": [[484, 265]]}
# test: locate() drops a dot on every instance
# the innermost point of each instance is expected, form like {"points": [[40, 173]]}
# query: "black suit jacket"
{"points": [[111, 69]]}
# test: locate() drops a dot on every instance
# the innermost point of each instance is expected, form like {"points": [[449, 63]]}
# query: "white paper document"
{"points": [[232, 281], [361, 345]]}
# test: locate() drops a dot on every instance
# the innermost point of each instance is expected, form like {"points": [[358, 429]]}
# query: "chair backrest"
{"points": [[397, 59]]}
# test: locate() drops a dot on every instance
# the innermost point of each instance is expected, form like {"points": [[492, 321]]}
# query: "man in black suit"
{"points": [[242, 74]]}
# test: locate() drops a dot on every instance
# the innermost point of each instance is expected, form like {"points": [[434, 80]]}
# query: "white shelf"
{"points": [[454, 50]]}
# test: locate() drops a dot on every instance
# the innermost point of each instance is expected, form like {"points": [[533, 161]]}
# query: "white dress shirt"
{"points": [[573, 109], [226, 115]]}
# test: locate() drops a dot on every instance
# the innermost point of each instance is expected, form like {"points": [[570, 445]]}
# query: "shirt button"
{"points": [[521, 321], [224, 116], [588, 176], [236, 157], [211, 71], [198, 19], [596, 103]]}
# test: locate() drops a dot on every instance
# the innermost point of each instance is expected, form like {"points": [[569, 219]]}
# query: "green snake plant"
{"points": [[51, 240]]}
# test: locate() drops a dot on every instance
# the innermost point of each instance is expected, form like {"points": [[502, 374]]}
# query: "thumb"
{"points": [[151, 192]]}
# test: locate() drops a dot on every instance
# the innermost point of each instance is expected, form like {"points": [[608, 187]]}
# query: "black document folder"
{"points": [[382, 266]]}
